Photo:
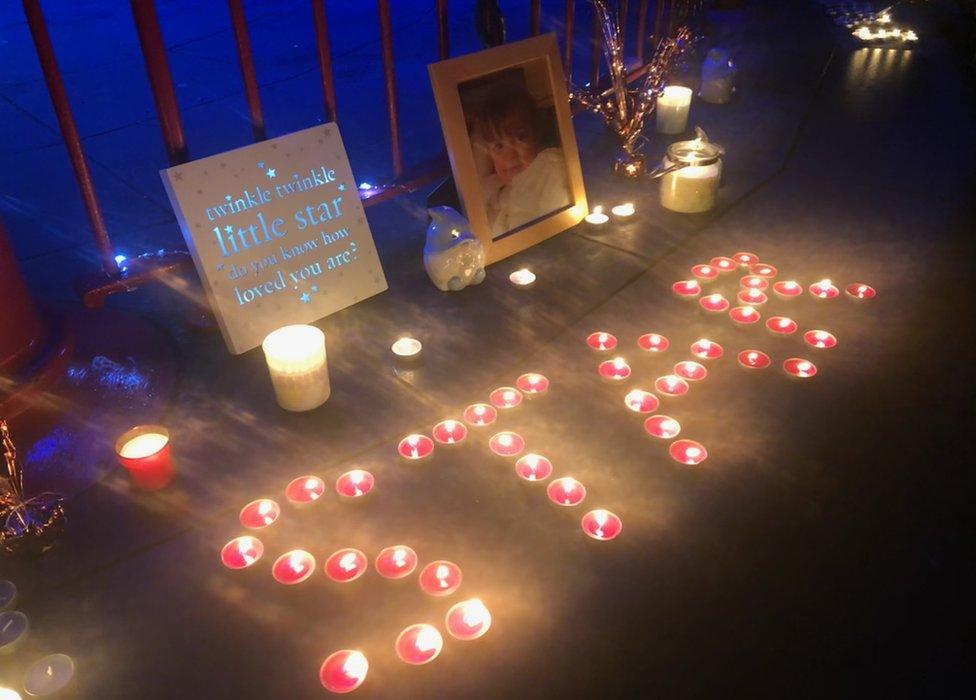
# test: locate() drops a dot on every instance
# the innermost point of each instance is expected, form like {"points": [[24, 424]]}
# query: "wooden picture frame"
{"points": [[530, 68]]}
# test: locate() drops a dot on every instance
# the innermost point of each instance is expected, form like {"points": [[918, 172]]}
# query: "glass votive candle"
{"points": [[751, 296], [14, 628], [415, 446], [614, 370], [706, 349], [788, 289], [566, 491], [824, 289], [704, 272], [653, 342], [407, 348], [754, 359], [823, 340], [480, 414], [799, 368], [601, 525], [663, 427], [419, 644], [8, 594], [601, 341], [744, 315], [686, 288], [714, 303], [144, 452], [343, 671], [859, 290], [687, 452], [523, 277], [723, 263], [449, 432], [293, 567], [505, 397], [640, 401], [396, 562], [298, 367], [49, 675], [467, 620], [753, 282], [532, 384], [745, 259], [304, 489], [345, 565], [671, 385], [506, 443], [354, 483], [440, 578], [533, 467], [259, 513], [690, 370], [241, 552], [672, 109], [781, 325]]}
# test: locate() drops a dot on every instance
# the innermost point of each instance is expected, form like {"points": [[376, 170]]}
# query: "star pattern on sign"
{"points": [[342, 187], [315, 288], [229, 228], [305, 298], [271, 173], [260, 165]]}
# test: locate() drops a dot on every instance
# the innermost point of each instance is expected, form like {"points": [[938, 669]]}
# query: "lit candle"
{"points": [[723, 263], [690, 176], [407, 348], [344, 671], [687, 452], [49, 675], [505, 397], [640, 401], [596, 217], [754, 359], [345, 565], [752, 296], [653, 342], [8, 594], [614, 370], [601, 341], [506, 443], [522, 277], [260, 513], [419, 644], [691, 370], [686, 288], [354, 483], [714, 303], [293, 567], [824, 289], [601, 525], [859, 290], [820, 339], [744, 315], [754, 282], [467, 620], [672, 109], [706, 349], [764, 270], [799, 368], [297, 364], [623, 211], [304, 489], [479, 414], [241, 552], [14, 626], [745, 259], [532, 384], [396, 562], [144, 452], [449, 432], [664, 427], [415, 446], [670, 385], [440, 578], [787, 289], [566, 491], [9, 694], [704, 272], [781, 325], [533, 467]]}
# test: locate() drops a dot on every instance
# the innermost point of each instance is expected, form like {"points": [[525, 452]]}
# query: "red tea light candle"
{"points": [[671, 385], [304, 489], [396, 562], [144, 452], [763, 270], [449, 432], [688, 452], [787, 289], [746, 259], [601, 525], [601, 341], [781, 325], [799, 368], [714, 303], [293, 567], [691, 370], [419, 644], [260, 513], [480, 414], [533, 467], [824, 289], [506, 443], [745, 315], [467, 620], [566, 491], [241, 552], [686, 288], [663, 427], [751, 296], [614, 370], [415, 446], [440, 578], [753, 282], [706, 349], [653, 342], [640, 401], [754, 359], [859, 290], [505, 397], [346, 565], [823, 340], [723, 263], [532, 384], [704, 272], [354, 483], [343, 671]]}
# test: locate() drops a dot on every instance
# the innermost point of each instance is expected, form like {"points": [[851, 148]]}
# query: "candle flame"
{"points": [[598, 209], [748, 311], [509, 396], [505, 440], [475, 614], [670, 426], [705, 269], [355, 666], [618, 363], [428, 639], [655, 339], [441, 573], [790, 285], [715, 298], [348, 562], [297, 562], [264, 507], [804, 367], [312, 484], [479, 410], [784, 323], [399, 557], [752, 357], [693, 452]]}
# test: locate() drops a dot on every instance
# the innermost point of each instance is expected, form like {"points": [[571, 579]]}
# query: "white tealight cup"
{"points": [[49, 675], [297, 364], [407, 348], [672, 109], [522, 278]]}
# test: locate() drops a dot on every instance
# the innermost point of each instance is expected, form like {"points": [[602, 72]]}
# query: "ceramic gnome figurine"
{"points": [[452, 256]]}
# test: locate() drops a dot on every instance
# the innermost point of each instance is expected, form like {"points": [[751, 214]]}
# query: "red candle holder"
{"points": [[614, 370], [753, 282], [663, 427], [723, 263], [396, 562], [346, 565], [506, 443], [440, 578], [824, 340], [754, 359], [752, 296], [259, 514], [764, 270], [686, 288], [354, 483], [704, 272], [859, 290], [343, 671], [415, 446], [304, 489], [640, 401], [746, 259], [419, 644], [293, 567], [533, 467], [799, 368], [706, 349], [824, 289], [714, 303], [532, 384], [145, 454], [671, 385], [566, 491], [467, 620], [601, 525], [653, 342], [688, 452], [505, 397], [479, 415], [241, 552], [601, 341], [745, 315], [690, 370], [781, 325], [788, 289], [449, 432]]}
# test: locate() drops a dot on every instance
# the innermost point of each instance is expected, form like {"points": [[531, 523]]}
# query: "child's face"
{"points": [[512, 149]]}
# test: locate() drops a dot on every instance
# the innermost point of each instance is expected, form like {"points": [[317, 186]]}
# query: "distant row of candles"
{"points": [[46, 676]]}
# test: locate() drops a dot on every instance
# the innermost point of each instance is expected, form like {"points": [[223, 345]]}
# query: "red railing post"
{"points": [[246, 58], [69, 132], [389, 77], [535, 17], [325, 59]]}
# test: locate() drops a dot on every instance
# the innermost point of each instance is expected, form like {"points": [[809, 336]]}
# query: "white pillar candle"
{"points": [[672, 109], [298, 368], [691, 189]]}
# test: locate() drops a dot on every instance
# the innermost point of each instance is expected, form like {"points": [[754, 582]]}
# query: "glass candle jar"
{"points": [[690, 174]]}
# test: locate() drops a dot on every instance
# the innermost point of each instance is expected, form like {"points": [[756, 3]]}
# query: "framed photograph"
{"points": [[509, 134]]}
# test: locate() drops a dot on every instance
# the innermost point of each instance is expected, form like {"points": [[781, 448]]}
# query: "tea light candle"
{"points": [[781, 325], [506, 443], [744, 315], [533, 467], [9, 694], [596, 217], [653, 342], [419, 644], [144, 452], [704, 272], [687, 452], [714, 303], [479, 414], [706, 349], [820, 339], [298, 368], [505, 397], [686, 288], [640, 401], [764, 270], [345, 565], [672, 109], [752, 296], [754, 359], [343, 671], [601, 341], [260, 513], [623, 211], [664, 427], [532, 384], [8, 594], [415, 446], [407, 348], [566, 491], [449, 432], [396, 562], [691, 370], [440, 578], [859, 290], [49, 675], [241, 552], [522, 277], [293, 567], [800, 368], [354, 483], [14, 627], [787, 289], [614, 370], [601, 525], [670, 385], [745, 259], [754, 282], [824, 289], [304, 489], [467, 620], [723, 263]]}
